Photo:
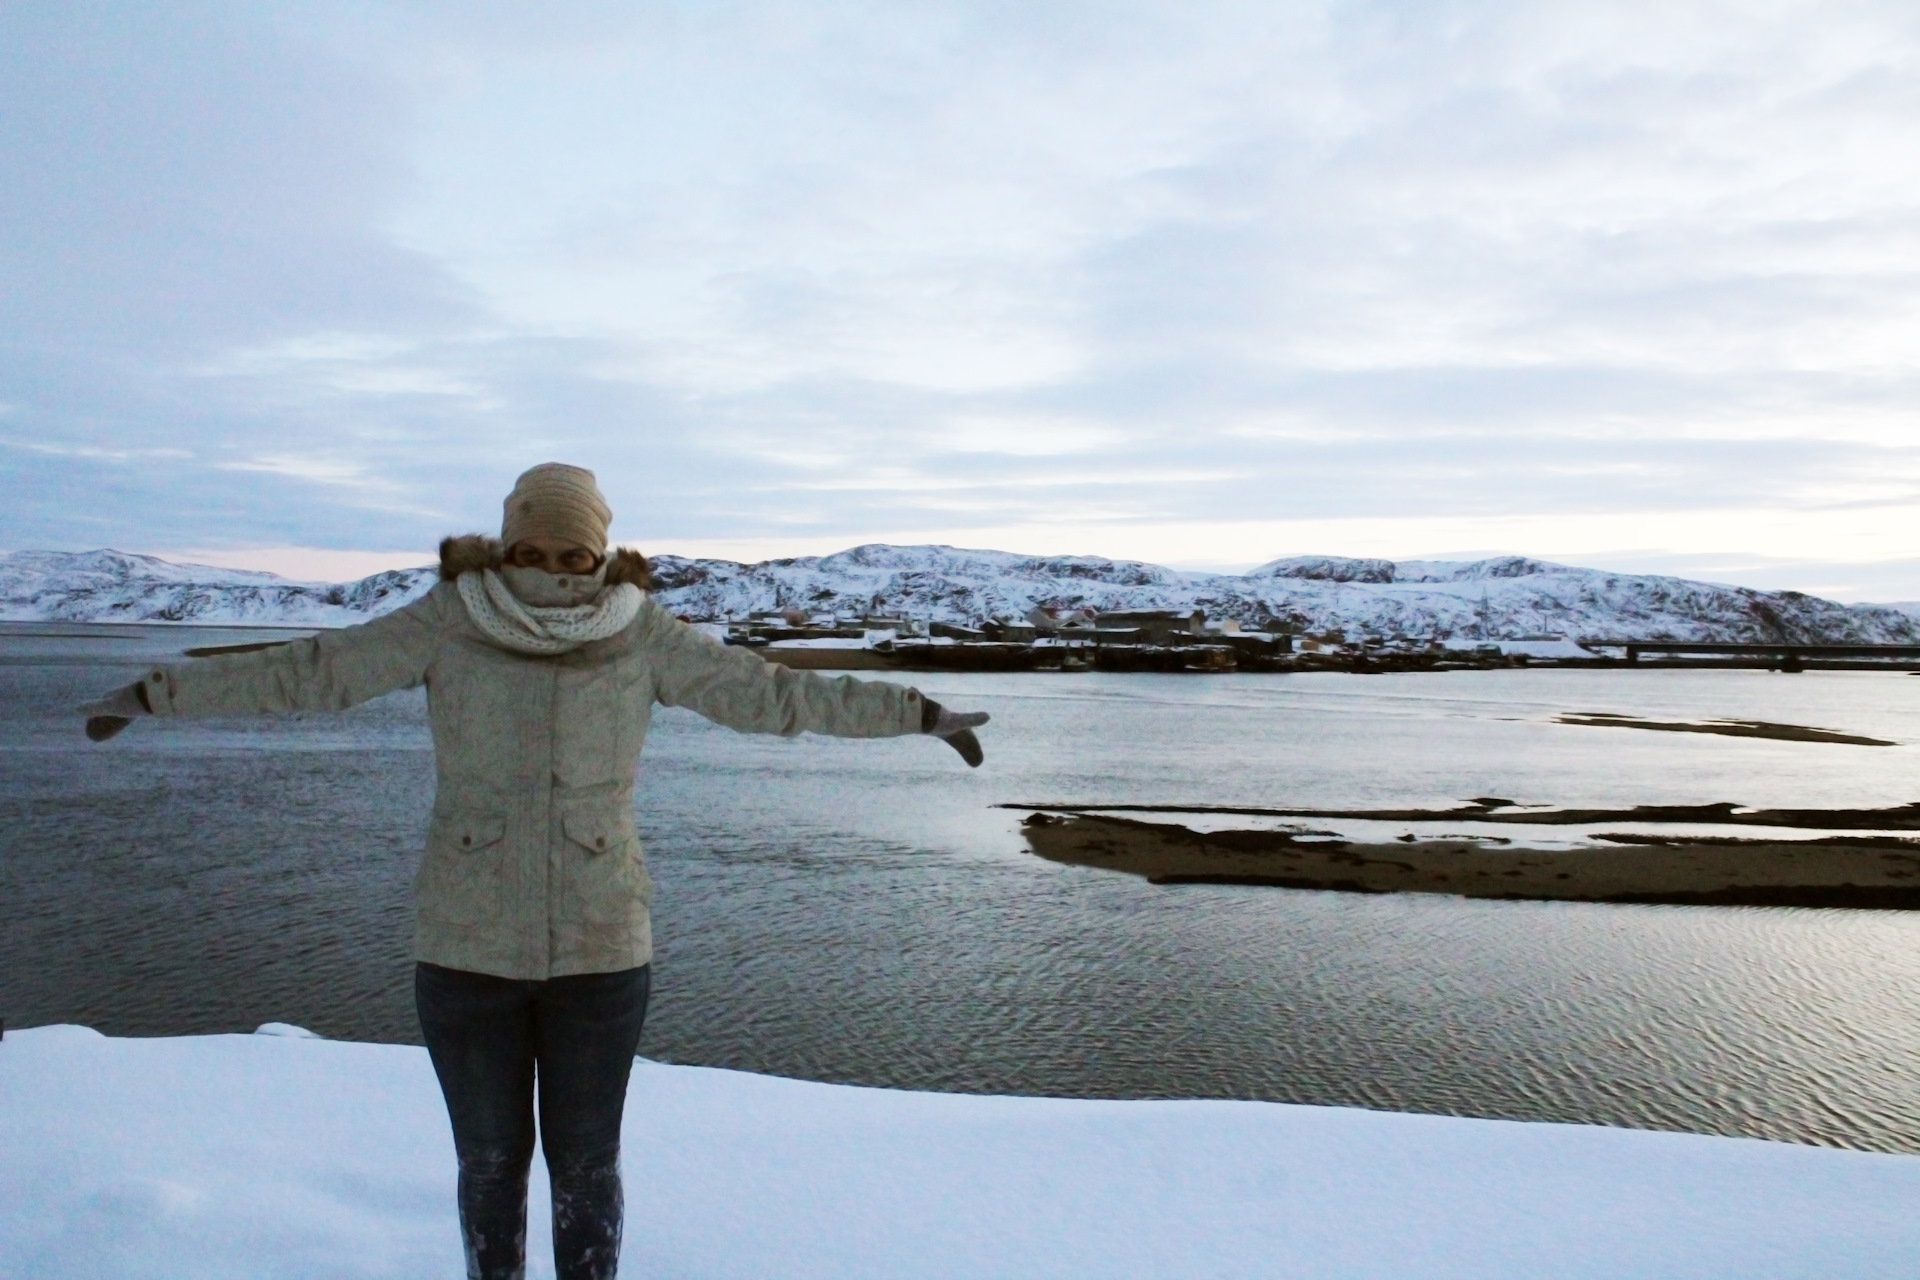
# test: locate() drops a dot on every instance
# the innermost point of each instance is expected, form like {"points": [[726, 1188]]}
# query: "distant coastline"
{"points": [[1459, 604]]}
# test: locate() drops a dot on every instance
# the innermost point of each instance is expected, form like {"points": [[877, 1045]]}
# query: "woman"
{"points": [[542, 657]]}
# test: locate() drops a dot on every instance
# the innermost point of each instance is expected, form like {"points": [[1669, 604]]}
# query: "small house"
{"points": [[1156, 626]]}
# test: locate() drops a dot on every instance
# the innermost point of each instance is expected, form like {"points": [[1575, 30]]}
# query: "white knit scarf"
{"points": [[526, 628]]}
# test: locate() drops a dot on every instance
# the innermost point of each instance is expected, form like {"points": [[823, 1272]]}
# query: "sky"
{"points": [[1636, 285]]}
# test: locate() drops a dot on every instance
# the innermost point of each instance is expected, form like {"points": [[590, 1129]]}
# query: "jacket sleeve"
{"points": [[328, 672], [739, 689]]}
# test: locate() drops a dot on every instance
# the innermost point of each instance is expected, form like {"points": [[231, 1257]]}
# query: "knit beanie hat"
{"points": [[557, 501]]}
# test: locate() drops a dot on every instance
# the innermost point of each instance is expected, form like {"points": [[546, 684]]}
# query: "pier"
{"points": [[1782, 655]]}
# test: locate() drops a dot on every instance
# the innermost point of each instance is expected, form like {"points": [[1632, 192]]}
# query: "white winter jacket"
{"points": [[533, 866]]}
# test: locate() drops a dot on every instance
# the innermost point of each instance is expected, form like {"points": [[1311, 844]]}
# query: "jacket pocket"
{"points": [[470, 832], [597, 832], [605, 878], [461, 876]]}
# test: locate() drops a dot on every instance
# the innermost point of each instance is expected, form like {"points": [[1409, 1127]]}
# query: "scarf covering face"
{"points": [[547, 630]]}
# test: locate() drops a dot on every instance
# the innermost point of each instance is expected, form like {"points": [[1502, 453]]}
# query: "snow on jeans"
{"points": [[494, 1042]]}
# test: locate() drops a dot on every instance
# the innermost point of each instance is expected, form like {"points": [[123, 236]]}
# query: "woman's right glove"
{"points": [[116, 711], [956, 728]]}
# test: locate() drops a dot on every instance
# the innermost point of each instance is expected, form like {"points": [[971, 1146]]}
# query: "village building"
{"points": [[1152, 626]]}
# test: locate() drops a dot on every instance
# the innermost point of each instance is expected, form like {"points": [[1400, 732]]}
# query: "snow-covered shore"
{"points": [[268, 1156]]}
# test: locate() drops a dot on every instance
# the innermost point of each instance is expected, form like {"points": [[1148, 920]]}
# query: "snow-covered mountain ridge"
{"points": [[1504, 597], [117, 586]]}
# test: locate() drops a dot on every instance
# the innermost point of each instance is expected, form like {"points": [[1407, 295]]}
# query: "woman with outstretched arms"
{"points": [[542, 657]]}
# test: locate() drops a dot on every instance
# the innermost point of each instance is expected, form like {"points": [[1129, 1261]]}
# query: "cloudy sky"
{"points": [[304, 286]]}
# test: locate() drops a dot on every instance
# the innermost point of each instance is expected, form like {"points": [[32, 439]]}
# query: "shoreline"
{"points": [[1209, 655], [996, 659]]}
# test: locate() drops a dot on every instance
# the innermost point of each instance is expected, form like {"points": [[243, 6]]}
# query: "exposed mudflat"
{"points": [[1726, 728], [1904, 817], [1834, 871], [217, 650]]}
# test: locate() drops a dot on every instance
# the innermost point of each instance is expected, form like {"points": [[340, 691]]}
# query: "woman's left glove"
{"points": [[116, 711], [956, 727]]}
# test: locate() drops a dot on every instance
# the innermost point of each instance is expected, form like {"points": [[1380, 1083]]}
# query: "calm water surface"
{"points": [[859, 911]]}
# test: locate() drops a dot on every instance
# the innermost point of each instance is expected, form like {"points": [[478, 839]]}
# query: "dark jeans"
{"points": [[493, 1041]]}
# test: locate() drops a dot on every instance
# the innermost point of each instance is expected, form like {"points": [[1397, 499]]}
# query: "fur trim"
{"points": [[467, 552], [628, 565], [477, 551]]}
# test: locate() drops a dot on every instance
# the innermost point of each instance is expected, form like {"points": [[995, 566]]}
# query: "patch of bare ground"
{"points": [[1873, 872], [1905, 817], [1726, 728]]}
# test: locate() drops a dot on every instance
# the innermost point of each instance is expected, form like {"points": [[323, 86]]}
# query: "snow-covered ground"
{"points": [[1499, 599], [271, 1156]]}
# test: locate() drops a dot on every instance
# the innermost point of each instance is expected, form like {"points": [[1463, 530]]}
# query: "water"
{"points": [[859, 911]]}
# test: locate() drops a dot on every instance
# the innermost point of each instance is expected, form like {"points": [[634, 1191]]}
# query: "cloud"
{"points": [[329, 276], [180, 176]]}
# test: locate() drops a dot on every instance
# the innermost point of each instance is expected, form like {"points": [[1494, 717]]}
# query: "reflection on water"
{"points": [[859, 911]]}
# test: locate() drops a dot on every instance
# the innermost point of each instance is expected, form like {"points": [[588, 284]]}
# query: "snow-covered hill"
{"points": [[114, 586], [1506, 597]]}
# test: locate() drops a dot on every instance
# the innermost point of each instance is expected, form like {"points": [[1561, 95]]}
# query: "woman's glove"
{"points": [[116, 711], [956, 727]]}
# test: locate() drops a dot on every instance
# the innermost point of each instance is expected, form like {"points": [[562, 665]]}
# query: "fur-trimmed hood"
{"points": [[470, 551]]}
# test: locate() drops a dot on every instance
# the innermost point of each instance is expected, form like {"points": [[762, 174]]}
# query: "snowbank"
{"points": [[274, 1155], [824, 642]]}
